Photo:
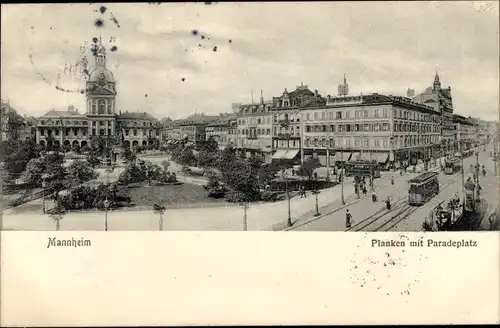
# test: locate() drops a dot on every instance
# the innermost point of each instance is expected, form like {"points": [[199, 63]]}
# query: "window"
{"points": [[339, 115], [126, 132], [315, 142], [357, 142], [66, 132], [348, 114], [342, 128], [332, 128], [366, 127], [323, 142], [386, 143], [356, 114], [356, 127], [42, 132], [348, 128], [308, 128], [332, 143], [258, 121], [315, 116], [376, 127], [365, 113], [385, 126], [317, 128], [322, 115], [135, 132], [366, 143], [109, 132], [323, 128], [376, 143], [377, 112], [307, 142], [385, 112], [308, 117], [330, 115], [57, 132], [84, 132]]}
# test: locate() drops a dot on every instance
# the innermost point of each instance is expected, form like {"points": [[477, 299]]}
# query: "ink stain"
{"points": [[95, 40], [32, 27], [114, 20], [203, 37], [199, 45], [194, 32], [114, 48], [215, 48], [183, 79], [146, 95], [99, 23], [230, 41], [82, 91], [103, 9]]}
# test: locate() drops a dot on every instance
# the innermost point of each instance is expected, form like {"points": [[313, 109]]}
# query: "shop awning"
{"points": [[279, 154], [355, 156], [266, 150], [381, 157], [342, 156], [365, 156], [290, 154]]}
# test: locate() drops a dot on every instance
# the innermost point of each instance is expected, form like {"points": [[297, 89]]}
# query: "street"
{"points": [[369, 216]]}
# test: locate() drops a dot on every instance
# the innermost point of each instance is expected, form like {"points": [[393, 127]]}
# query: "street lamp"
{"points": [[316, 192], [393, 155], [289, 221], [158, 209], [245, 205], [44, 185], [106, 206]]}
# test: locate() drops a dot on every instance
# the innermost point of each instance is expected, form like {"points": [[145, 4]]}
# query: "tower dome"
{"points": [[101, 74]]}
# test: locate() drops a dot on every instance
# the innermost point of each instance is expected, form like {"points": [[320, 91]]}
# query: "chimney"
{"points": [[316, 92]]}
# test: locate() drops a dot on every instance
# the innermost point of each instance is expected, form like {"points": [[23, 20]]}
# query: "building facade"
{"points": [[222, 130], [288, 141], [70, 128], [466, 132], [391, 130], [193, 128], [254, 130], [441, 101]]}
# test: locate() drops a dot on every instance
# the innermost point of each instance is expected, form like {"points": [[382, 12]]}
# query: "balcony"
{"points": [[286, 136], [284, 122]]}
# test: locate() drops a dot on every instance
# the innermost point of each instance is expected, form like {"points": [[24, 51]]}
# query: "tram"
{"points": [[362, 169], [452, 165], [423, 188]]}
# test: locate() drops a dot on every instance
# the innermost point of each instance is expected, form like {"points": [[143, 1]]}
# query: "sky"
{"points": [[165, 61]]}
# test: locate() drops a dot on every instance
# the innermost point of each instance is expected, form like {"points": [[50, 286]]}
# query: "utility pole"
{"points": [[342, 174], [289, 221], [463, 180], [371, 172]]}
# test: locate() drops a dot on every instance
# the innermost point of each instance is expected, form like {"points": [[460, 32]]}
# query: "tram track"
{"points": [[404, 210], [409, 209]]}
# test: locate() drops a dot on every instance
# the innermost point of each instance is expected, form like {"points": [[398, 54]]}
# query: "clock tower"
{"points": [[101, 96]]}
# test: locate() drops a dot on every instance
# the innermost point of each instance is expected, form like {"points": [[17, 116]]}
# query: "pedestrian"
{"points": [[388, 203], [374, 196], [392, 180], [348, 219]]}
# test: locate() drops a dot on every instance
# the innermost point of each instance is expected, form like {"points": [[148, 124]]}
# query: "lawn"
{"points": [[171, 195]]}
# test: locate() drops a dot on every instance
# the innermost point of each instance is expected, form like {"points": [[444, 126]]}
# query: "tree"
{"points": [[49, 165], [159, 209], [17, 153], [307, 169], [186, 157], [79, 172], [165, 165], [206, 158], [210, 145], [92, 158], [57, 215], [242, 181]]}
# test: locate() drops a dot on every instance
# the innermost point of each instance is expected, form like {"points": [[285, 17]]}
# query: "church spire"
{"points": [[100, 55], [261, 97], [437, 82], [345, 80]]}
